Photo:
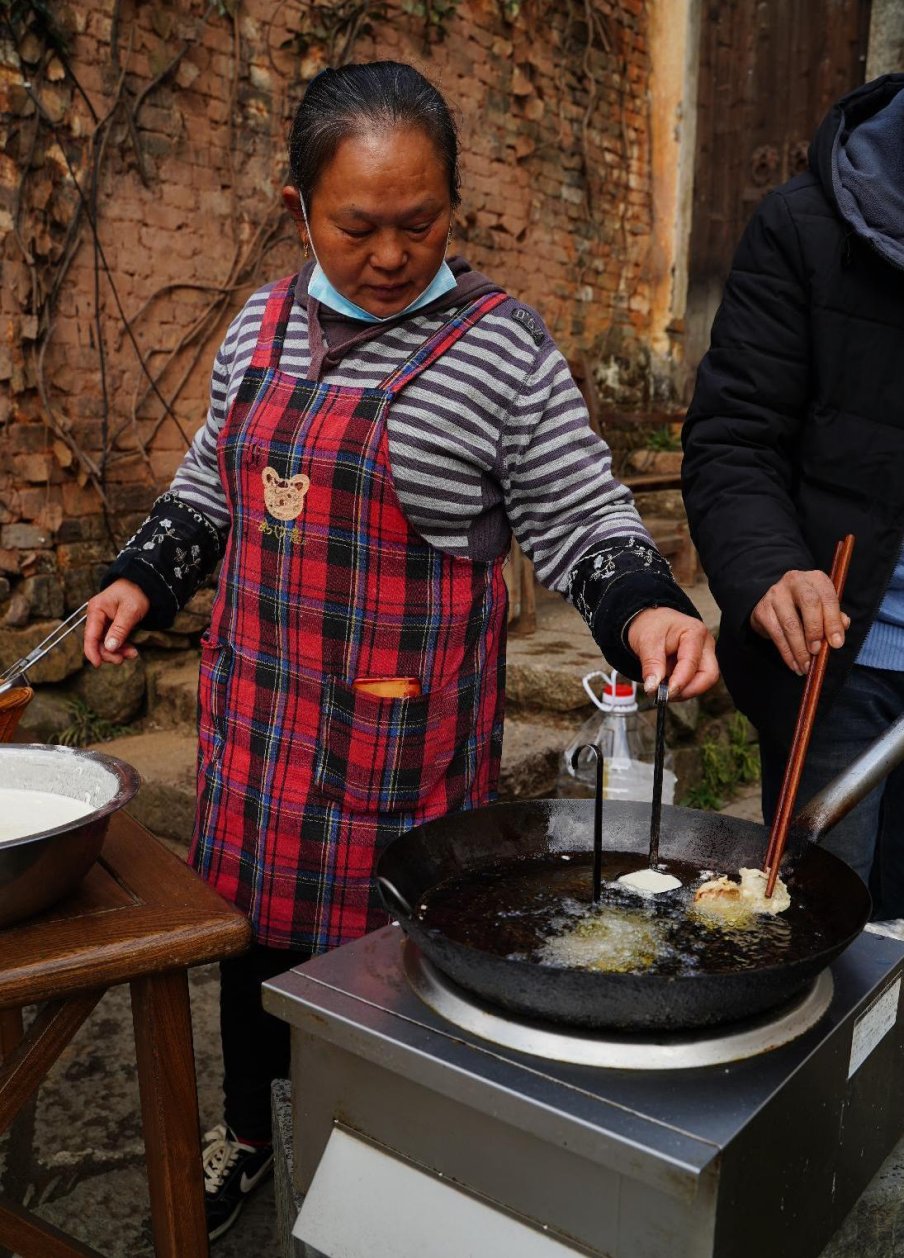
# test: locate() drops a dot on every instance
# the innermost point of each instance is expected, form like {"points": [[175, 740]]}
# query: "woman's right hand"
{"points": [[112, 615]]}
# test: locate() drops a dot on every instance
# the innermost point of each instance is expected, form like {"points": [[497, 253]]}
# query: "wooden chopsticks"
{"points": [[803, 729]]}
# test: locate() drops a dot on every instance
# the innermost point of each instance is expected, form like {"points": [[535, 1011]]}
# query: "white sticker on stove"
{"points": [[873, 1025]]}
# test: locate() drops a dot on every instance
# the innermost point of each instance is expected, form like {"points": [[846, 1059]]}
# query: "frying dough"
{"points": [[610, 940], [753, 890], [649, 881], [730, 899]]}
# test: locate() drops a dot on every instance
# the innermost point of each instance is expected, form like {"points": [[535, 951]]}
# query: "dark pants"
{"points": [[255, 1044], [871, 837]]}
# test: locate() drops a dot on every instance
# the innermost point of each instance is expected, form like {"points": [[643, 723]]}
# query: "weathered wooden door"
{"points": [[768, 71]]}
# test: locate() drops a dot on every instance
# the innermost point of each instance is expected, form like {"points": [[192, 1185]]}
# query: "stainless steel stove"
{"points": [[428, 1125]]}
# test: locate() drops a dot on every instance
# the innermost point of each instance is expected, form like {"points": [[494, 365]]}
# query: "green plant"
{"points": [[727, 764], [334, 26], [85, 726], [436, 15], [36, 16], [663, 439]]}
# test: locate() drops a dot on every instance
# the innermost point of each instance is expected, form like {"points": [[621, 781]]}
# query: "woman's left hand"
{"points": [[671, 645]]}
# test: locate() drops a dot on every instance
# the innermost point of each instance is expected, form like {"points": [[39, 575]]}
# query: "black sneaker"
{"points": [[232, 1170]]}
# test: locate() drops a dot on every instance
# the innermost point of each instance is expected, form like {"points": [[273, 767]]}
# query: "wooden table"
{"points": [[141, 917]]}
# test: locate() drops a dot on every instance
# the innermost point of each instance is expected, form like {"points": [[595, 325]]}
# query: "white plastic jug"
{"points": [[626, 738]]}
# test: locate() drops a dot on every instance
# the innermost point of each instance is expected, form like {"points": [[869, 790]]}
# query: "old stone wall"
{"points": [[142, 155]]}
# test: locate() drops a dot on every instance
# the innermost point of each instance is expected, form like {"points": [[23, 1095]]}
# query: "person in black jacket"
{"points": [[795, 437]]}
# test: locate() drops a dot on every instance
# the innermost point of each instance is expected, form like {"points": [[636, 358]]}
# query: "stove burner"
{"points": [[686, 1050]]}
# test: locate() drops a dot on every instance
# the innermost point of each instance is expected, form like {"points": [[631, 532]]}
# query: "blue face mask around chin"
{"points": [[322, 290]]}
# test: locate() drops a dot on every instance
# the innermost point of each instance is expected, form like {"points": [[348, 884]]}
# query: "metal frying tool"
{"points": [[662, 698], [597, 818]]}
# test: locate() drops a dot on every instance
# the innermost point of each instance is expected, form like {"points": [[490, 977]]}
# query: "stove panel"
{"points": [[620, 1205], [801, 1161], [440, 1220]]}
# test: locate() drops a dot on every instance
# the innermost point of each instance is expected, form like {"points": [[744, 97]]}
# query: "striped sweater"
{"points": [[491, 440]]}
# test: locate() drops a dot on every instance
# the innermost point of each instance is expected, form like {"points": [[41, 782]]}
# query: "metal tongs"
{"points": [[15, 674], [662, 699]]}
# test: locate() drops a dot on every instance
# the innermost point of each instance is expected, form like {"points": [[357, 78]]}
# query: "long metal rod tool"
{"points": [[11, 675], [662, 699], [598, 829], [803, 729], [597, 818]]}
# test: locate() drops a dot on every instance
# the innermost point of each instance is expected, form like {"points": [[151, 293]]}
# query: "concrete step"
{"points": [[666, 504], [672, 538], [166, 760], [544, 670], [543, 675], [530, 758], [172, 694], [546, 704], [747, 805]]}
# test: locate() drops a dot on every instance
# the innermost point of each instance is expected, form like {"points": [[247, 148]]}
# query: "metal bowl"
{"points": [[37, 870]]}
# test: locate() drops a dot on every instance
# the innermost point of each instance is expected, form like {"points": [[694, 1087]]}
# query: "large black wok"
{"points": [[500, 834]]}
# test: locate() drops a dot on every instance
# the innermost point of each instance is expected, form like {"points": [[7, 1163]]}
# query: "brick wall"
{"points": [[173, 120]]}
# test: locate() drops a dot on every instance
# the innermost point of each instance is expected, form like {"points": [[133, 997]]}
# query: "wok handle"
{"points": [[393, 895], [837, 799]]}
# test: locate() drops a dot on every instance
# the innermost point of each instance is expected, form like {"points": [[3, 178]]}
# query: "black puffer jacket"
{"points": [[795, 435]]}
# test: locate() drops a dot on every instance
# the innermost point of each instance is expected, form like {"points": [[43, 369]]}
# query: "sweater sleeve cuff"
{"points": [[168, 557], [612, 585]]}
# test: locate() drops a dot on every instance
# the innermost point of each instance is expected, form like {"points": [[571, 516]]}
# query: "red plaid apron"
{"points": [[302, 778]]}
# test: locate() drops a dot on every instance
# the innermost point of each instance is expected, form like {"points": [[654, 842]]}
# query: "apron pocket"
{"points": [[387, 755], [216, 666]]}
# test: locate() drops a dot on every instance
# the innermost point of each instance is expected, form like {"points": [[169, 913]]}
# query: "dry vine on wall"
{"points": [[68, 145], [98, 107]]}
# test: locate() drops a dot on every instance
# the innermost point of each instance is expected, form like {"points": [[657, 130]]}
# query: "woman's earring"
{"points": [[306, 247]]}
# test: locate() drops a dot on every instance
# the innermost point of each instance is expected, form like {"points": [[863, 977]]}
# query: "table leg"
{"points": [[49, 1034], [169, 1108], [33, 1238], [26, 1061], [12, 1031]]}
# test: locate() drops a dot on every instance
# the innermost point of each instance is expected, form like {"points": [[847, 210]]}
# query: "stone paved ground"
{"points": [[746, 805]]}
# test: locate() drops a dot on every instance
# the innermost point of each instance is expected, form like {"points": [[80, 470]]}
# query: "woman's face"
{"points": [[379, 218]]}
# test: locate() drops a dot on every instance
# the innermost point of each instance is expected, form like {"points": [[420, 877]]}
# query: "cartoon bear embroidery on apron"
{"points": [[284, 499]]}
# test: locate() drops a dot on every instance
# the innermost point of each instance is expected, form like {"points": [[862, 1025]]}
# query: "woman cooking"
{"points": [[379, 425]]}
